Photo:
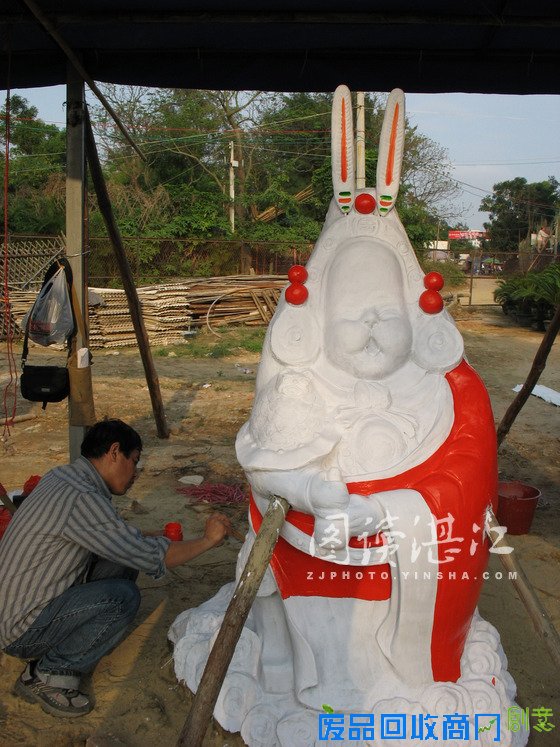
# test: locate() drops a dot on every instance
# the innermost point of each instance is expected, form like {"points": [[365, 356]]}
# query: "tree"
{"points": [[36, 171], [186, 135], [304, 159], [283, 177], [517, 209]]}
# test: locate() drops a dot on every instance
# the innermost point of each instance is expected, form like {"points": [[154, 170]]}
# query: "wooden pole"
{"points": [[50, 28], [75, 208], [222, 652], [539, 363], [7, 501], [360, 140], [23, 418], [128, 282], [539, 616], [473, 259]]}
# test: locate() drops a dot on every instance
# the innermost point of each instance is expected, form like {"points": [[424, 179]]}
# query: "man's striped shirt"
{"points": [[49, 542]]}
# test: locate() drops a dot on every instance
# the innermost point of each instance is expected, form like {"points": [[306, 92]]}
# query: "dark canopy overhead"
{"points": [[310, 45]]}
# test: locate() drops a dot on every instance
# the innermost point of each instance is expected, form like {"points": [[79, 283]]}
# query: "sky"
{"points": [[488, 138]]}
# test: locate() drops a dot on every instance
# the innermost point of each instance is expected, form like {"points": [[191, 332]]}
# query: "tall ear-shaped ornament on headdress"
{"points": [[391, 146], [342, 150]]}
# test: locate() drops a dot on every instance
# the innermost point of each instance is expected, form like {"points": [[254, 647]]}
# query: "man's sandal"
{"points": [[58, 701]]}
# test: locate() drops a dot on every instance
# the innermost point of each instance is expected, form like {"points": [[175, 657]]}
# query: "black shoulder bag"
{"points": [[44, 383]]}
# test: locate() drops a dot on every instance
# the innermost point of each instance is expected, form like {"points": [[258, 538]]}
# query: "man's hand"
{"points": [[217, 527]]}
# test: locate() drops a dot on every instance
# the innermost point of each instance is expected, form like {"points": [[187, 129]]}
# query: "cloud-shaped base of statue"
{"points": [[257, 698]]}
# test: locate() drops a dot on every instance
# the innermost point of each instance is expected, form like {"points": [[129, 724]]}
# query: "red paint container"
{"points": [[5, 517], [173, 531], [517, 502]]}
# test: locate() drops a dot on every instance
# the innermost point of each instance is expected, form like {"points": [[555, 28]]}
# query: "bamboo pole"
{"points": [[218, 662], [23, 418], [539, 363], [128, 282], [8, 503], [50, 28], [6, 500], [539, 616]]}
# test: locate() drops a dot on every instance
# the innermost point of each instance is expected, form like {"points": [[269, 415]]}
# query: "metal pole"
{"points": [[75, 195], [360, 141]]}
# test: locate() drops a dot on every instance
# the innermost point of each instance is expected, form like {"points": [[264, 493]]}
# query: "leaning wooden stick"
{"points": [[541, 621], [539, 363], [222, 652], [6, 500]]}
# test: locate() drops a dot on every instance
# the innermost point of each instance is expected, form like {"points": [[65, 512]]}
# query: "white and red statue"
{"points": [[370, 422]]}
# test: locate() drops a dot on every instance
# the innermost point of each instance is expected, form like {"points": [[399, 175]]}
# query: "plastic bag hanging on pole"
{"points": [[50, 319]]}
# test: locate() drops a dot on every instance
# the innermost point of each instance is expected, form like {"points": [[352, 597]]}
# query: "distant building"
{"points": [[438, 251]]}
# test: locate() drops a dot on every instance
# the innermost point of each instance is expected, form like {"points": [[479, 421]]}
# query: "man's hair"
{"points": [[99, 438]]}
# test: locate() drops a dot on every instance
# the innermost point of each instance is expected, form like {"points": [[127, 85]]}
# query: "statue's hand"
{"points": [[326, 496], [364, 515], [361, 516], [305, 489]]}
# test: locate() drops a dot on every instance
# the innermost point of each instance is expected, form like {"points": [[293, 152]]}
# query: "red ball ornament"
{"points": [[365, 203], [433, 281], [297, 274], [431, 302], [296, 294]]}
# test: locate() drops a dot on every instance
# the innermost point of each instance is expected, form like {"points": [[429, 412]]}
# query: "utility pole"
{"points": [[360, 141], [75, 208], [233, 164]]}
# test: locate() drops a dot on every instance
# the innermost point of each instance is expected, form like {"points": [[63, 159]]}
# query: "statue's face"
{"points": [[367, 329]]}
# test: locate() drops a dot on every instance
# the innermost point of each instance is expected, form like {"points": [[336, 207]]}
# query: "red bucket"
{"points": [[517, 502], [5, 517]]}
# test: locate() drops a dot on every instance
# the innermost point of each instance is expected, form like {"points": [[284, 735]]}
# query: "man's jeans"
{"points": [[76, 629]]}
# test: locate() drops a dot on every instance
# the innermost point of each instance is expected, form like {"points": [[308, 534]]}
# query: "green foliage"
{"points": [[36, 171], [534, 286], [517, 209], [232, 341], [419, 224], [453, 276], [283, 188], [536, 293]]}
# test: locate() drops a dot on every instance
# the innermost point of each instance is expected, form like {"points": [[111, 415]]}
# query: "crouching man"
{"points": [[69, 564]]}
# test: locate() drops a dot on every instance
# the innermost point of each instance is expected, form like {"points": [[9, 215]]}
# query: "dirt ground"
{"points": [[138, 700]]}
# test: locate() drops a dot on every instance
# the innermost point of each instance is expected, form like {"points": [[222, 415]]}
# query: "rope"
{"points": [[10, 390]]}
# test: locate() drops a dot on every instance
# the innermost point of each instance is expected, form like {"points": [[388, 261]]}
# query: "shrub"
{"points": [[452, 274], [536, 293]]}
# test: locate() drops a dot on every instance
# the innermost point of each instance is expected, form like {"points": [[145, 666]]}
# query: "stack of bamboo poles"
{"points": [[238, 299], [20, 303], [171, 310], [110, 325], [273, 212]]}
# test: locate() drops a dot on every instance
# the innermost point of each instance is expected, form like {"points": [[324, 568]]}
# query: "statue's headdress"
{"points": [[365, 216]]}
